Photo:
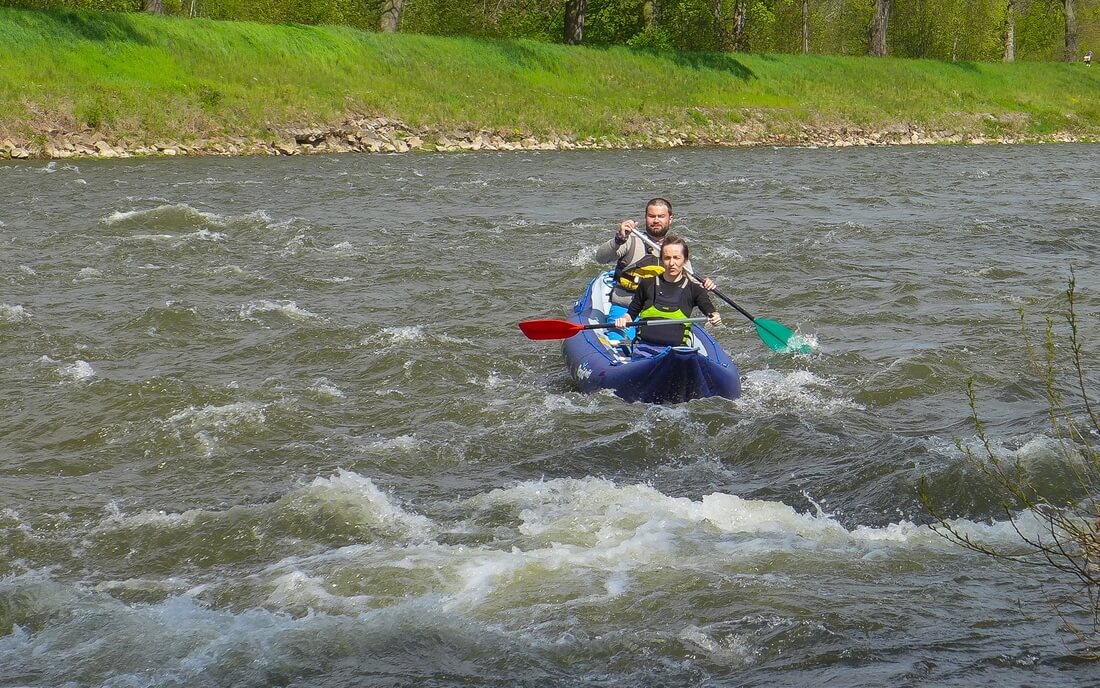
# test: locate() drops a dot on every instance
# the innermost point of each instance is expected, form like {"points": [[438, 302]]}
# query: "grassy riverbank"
{"points": [[143, 83]]}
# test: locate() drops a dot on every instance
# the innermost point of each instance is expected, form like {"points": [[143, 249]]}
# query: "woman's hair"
{"points": [[675, 240], [660, 201]]}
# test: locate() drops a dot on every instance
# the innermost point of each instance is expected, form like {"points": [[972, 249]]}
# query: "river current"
{"points": [[270, 422]]}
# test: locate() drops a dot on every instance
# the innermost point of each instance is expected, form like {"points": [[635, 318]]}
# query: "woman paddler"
{"points": [[671, 295]]}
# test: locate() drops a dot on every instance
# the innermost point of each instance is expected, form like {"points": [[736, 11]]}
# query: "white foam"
{"points": [[206, 235], [402, 334], [799, 340], [180, 641], [583, 257], [1003, 536], [586, 404], [323, 386], [77, 370], [1041, 449], [180, 209], [637, 521], [729, 254], [160, 519], [13, 314], [121, 216], [1028, 452], [224, 416], [403, 443], [593, 534], [732, 650], [289, 309], [796, 389], [170, 585], [370, 502], [295, 588]]}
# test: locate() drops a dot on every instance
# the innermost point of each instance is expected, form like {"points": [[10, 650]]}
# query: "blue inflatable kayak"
{"points": [[672, 375]]}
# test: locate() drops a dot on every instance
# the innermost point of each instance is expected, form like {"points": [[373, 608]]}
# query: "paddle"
{"points": [[774, 335], [563, 329]]}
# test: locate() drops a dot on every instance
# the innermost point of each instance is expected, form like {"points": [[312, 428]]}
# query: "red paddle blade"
{"points": [[549, 329]]}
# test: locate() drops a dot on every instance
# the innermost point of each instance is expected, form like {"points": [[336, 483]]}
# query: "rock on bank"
{"points": [[388, 135]]}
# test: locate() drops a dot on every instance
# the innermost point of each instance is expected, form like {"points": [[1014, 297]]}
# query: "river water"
{"points": [[270, 422]]}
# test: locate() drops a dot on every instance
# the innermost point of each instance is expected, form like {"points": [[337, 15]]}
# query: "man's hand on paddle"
{"points": [[625, 229]]}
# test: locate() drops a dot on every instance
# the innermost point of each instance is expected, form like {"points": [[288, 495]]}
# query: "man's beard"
{"points": [[657, 232]]}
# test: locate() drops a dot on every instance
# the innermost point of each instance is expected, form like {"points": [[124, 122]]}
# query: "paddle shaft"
{"points": [[645, 323], [564, 329]]}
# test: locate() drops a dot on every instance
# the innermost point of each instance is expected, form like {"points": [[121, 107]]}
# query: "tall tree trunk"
{"points": [[153, 6], [391, 15], [805, 27], [719, 14], [1071, 31], [651, 14], [879, 22], [574, 21], [740, 15], [1010, 32]]}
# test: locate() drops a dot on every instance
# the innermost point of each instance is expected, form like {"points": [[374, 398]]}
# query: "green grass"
{"points": [[153, 78]]}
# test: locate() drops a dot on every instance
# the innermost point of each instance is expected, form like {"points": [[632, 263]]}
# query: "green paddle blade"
{"points": [[779, 338]]}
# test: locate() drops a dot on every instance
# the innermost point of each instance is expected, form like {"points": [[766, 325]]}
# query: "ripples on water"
{"points": [[270, 422]]}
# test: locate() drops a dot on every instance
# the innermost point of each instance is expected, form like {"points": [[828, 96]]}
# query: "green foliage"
{"points": [[656, 38], [948, 30], [99, 5], [95, 113], [691, 25], [1040, 31], [939, 29], [289, 11], [613, 22]]}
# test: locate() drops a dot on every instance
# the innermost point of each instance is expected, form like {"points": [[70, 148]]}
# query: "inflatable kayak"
{"points": [[597, 360]]}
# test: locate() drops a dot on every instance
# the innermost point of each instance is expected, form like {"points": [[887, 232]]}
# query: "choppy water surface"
{"points": [[271, 422]]}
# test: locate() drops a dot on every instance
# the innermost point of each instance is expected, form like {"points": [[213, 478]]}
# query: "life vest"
{"points": [[625, 275], [666, 306]]}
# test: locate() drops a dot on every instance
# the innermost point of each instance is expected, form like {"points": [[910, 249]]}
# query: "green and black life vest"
{"points": [[667, 305]]}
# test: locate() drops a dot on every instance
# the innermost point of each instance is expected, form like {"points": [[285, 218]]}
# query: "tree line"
{"points": [[955, 30]]}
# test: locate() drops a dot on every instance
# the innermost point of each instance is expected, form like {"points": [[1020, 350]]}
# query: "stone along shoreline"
{"points": [[388, 135]]}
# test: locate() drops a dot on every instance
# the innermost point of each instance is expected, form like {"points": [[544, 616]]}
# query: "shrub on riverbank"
{"points": [[1058, 522], [136, 81]]}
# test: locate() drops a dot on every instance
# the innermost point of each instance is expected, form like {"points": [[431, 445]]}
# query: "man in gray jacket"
{"points": [[628, 252]]}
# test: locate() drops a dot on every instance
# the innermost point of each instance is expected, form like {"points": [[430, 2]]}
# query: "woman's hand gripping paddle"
{"points": [[774, 335]]}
